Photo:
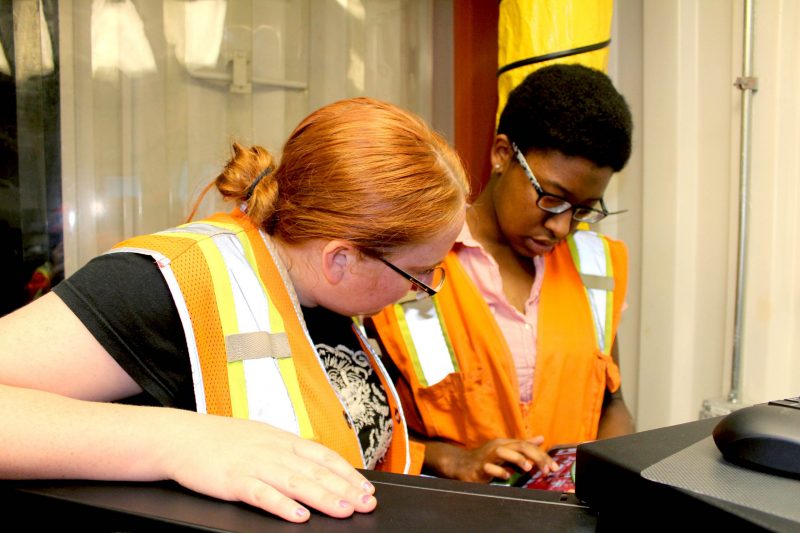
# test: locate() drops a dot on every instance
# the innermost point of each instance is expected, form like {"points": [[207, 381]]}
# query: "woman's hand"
{"points": [[493, 460], [266, 467], [49, 436]]}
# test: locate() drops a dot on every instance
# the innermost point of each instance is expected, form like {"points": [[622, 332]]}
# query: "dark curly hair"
{"points": [[573, 109]]}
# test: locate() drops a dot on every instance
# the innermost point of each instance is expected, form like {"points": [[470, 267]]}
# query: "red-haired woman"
{"points": [[246, 315]]}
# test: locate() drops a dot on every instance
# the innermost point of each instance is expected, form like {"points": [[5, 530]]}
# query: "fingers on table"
{"points": [[318, 478]]}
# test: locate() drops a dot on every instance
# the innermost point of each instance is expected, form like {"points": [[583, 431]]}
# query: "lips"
{"points": [[539, 246]]}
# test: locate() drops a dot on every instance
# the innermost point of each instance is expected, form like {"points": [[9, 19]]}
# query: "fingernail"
{"points": [[301, 512], [527, 466], [344, 504], [367, 486], [366, 498]]}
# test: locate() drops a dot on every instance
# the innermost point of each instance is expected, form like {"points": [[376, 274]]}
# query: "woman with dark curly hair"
{"points": [[519, 351]]}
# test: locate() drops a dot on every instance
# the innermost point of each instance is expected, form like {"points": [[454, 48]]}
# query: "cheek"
{"points": [[381, 291], [390, 291], [519, 218], [516, 208]]}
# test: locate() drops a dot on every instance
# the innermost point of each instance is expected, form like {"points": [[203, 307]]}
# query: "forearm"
{"points": [[616, 420], [45, 435], [442, 459]]}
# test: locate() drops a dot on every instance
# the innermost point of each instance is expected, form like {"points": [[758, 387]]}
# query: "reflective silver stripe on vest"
{"points": [[592, 265], [198, 228], [424, 336], [268, 399]]}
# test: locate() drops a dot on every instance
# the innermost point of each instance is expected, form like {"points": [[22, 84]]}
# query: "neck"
{"points": [[482, 218], [485, 228], [295, 262]]}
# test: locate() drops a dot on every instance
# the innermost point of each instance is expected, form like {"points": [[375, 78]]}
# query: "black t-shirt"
{"points": [[124, 301]]}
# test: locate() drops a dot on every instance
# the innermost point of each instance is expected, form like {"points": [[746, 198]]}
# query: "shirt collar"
{"points": [[466, 239]]}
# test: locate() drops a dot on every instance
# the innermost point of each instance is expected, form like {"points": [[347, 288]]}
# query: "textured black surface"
{"points": [[608, 478], [406, 503]]}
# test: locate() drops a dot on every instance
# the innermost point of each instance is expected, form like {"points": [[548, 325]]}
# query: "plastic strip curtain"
{"points": [[535, 33]]}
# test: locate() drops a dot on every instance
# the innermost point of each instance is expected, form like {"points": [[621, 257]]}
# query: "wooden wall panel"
{"points": [[475, 86]]}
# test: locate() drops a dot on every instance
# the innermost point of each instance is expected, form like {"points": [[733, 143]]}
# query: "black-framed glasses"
{"points": [[552, 203], [437, 274]]}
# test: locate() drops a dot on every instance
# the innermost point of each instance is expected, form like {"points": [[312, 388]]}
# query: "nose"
{"points": [[560, 224], [427, 277]]}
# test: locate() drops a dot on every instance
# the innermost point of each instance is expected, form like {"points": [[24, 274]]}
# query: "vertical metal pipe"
{"points": [[747, 84]]}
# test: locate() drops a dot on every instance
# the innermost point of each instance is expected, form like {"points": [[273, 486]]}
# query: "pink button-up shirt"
{"points": [[518, 329]]}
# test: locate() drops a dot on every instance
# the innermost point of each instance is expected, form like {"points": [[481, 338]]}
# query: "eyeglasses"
{"points": [[556, 205], [437, 274]]}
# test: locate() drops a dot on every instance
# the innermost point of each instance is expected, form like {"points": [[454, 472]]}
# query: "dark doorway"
{"points": [[31, 236]]}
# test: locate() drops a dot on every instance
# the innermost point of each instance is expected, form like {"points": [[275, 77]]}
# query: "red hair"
{"points": [[361, 170]]}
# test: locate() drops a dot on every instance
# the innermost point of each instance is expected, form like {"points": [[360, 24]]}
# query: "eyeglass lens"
{"points": [[557, 205]]}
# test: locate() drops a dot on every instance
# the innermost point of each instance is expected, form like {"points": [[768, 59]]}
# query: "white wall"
{"points": [[625, 189], [141, 139], [676, 61]]}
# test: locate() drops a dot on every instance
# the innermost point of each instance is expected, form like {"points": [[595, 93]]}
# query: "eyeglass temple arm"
{"points": [[605, 210]]}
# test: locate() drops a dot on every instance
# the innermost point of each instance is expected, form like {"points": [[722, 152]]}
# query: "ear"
{"points": [[501, 153], [337, 259]]}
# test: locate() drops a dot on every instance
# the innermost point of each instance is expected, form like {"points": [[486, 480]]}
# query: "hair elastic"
{"points": [[255, 183]]}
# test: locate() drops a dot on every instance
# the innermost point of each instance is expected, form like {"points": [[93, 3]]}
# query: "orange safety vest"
{"points": [[457, 376], [250, 352]]}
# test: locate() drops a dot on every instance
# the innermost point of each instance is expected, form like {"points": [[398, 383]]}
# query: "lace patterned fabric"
{"points": [[354, 379], [359, 387]]}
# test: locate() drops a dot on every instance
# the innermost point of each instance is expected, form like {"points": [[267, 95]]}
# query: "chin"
{"points": [[523, 251]]}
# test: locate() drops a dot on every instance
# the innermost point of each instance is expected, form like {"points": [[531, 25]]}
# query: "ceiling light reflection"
{"points": [[195, 30], [118, 39]]}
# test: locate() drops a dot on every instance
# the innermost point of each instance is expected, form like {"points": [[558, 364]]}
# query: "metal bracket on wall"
{"points": [[239, 82], [238, 77], [746, 83]]}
